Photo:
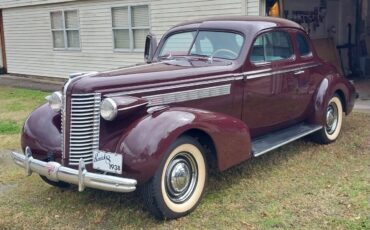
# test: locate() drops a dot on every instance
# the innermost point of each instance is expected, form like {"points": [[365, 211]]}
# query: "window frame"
{"points": [[310, 54], [130, 28], [64, 30], [259, 63]]}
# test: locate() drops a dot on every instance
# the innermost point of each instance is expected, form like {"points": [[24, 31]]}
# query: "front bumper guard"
{"points": [[81, 177]]}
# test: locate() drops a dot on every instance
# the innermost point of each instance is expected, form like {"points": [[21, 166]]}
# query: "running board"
{"points": [[271, 141]]}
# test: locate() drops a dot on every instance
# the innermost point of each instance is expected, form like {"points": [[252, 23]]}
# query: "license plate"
{"points": [[107, 162]]}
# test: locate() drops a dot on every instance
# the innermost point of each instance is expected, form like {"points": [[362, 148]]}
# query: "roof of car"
{"points": [[266, 21]]}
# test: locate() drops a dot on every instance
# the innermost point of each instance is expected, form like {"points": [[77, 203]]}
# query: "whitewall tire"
{"points": [[333, 121], [179, 183]]}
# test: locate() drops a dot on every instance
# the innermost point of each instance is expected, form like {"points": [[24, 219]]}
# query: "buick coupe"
{"points": [[213, 93]]}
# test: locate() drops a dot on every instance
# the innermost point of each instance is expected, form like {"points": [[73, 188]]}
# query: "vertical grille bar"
{"points": [[62, 117], [84, 127]]}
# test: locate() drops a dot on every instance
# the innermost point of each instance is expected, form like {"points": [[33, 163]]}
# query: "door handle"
{"points": [[299, 72]]}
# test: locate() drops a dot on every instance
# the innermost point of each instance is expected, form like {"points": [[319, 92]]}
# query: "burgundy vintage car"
{"points": [[214, 93]]}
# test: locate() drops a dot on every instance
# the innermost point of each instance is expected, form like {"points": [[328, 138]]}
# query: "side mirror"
{"points": [[150, 47]]}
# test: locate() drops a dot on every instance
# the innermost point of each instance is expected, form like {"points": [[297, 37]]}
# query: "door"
{"points": [[270, 86], [307, 78]]}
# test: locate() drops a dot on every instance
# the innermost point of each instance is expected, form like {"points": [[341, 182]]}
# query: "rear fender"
{"points": [[328, 87], [145, 142]]}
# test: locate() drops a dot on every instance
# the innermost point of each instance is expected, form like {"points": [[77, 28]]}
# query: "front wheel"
{"points": [[178, 184], [333, 121]]}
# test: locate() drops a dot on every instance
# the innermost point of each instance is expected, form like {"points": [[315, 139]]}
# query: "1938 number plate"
{"points": [[108, 162]]}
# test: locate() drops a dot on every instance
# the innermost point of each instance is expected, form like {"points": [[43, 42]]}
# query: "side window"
{"points": [[258, 52], [303, 45], [272, 46]]}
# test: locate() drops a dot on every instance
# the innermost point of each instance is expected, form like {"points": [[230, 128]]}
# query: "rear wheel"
{"points": [[178, 185], [333, 121]]}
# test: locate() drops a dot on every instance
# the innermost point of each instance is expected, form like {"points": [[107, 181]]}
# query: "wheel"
{"points": [[333, 121], [59, 184], [179, 183]]}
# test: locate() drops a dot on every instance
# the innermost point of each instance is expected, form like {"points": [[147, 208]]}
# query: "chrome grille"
{"points": [[84, 127]]}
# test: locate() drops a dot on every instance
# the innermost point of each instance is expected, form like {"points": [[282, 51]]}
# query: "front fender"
{"points": [[41, 132], [145, 142]]}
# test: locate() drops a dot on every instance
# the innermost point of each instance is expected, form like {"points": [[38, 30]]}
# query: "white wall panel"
{"points": [[29, 39], [18, 3]]}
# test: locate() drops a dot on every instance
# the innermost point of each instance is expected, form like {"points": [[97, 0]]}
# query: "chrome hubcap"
{"points": [[181, 177], [331, 118]]}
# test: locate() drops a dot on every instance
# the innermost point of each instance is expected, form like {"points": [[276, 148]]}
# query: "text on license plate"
{"points": [[108, 162]]}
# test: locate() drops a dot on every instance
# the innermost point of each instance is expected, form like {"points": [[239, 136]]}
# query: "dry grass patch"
{"points": [[300, 186]]}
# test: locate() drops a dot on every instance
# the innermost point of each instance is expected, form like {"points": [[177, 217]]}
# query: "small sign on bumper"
{"points": [[107, 162]]}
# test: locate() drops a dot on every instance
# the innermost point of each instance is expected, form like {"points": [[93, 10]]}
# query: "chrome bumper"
{"points": [[81, 177]]}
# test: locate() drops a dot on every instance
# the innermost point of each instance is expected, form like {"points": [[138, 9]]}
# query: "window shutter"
{"points": [[120, 17], [71, 18], [56, 20], [140, 16]]}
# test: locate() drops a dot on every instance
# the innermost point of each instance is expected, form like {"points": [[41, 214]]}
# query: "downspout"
{"points": [[357, 37]]}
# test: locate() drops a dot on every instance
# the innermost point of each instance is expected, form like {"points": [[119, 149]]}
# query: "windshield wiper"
{"points": [[166, 56], [200, 55]]}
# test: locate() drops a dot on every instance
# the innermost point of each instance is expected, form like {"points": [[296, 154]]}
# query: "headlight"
{"points": [[108, 109], [55, 101]]}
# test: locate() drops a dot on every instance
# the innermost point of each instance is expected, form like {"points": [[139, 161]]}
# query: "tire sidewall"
{"points": [[170, 209], [332, 137]]}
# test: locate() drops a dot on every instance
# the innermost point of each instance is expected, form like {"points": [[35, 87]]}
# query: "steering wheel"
{"points": [[232, 56]]}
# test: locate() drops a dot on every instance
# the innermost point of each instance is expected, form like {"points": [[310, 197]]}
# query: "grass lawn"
{"points": [[300, 186]]}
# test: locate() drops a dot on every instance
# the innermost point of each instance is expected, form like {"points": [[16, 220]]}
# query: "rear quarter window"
{"points": [[303, 45], [272, 46]]}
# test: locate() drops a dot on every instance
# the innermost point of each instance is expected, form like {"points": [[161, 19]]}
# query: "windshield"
{"points": [[226, 45]]}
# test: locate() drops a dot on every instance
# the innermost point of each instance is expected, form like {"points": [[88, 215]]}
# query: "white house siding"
{"points": [[253, 7], [17, 3], [29, 44], [167, 13]]}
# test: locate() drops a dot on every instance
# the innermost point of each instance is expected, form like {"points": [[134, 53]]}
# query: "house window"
{"points": [[65, 30], [130, 26]]}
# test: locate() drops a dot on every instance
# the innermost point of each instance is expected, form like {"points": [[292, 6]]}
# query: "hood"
{"points": [[149, 75]]}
